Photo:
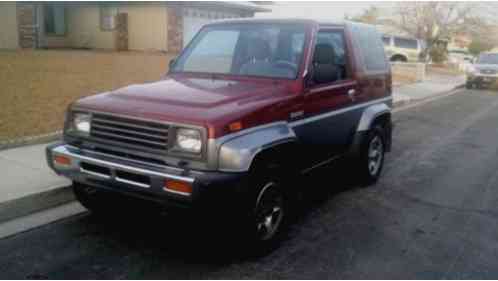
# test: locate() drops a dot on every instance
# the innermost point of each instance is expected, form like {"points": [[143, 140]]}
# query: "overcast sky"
{"points": [[322, 10], [337, 10]]}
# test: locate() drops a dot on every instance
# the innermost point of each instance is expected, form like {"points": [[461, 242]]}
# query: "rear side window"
{"points": [[405, 43], [371, 46]]}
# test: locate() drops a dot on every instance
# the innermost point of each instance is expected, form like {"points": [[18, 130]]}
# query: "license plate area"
{"points": [[95, 170], [133, 179], [116, 174]]}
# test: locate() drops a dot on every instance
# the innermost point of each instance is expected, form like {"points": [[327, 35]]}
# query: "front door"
{"points": [[329, 116]]}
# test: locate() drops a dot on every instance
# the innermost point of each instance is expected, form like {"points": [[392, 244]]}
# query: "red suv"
{"points": [[247, 106]]}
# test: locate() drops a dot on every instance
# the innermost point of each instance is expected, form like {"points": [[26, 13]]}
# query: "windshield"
{"points": [[488, 58], [245, 49]]}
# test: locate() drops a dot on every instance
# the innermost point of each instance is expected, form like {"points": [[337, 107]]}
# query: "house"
{"points": [[160, 26]]}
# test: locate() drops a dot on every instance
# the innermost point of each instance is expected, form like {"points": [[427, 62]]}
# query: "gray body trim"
{"points": [[237, 151], [370, 114]]}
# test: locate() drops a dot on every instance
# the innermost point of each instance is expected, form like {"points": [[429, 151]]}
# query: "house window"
{"points": [[54, 18], [108, 18], [405, 43]]}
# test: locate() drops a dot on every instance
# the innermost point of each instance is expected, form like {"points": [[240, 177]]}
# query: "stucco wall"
{"points": [[147, 26], [9, 37], [83, 28]]}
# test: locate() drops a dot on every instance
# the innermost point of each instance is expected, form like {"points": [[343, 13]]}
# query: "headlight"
{"points": [[189, 140], [81, 123]]}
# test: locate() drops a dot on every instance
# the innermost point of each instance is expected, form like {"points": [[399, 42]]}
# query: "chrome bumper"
{"points": [[84, 166]]}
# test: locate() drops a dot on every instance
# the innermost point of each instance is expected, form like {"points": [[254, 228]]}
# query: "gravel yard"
{"points": [[37, 85]]}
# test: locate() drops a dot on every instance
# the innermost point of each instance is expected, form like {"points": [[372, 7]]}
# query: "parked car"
{"points": [[484, 72], [246, 108], [402, 49], [460, 58]]}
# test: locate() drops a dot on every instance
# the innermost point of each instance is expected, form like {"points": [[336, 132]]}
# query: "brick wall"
{"points": [[175, 29], [26, 14]]}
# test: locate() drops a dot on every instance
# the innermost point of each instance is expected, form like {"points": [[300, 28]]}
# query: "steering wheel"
{"points": [[285, 64]]}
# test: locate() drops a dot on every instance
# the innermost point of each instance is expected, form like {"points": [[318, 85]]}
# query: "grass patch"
{"points": [[37, 86]]}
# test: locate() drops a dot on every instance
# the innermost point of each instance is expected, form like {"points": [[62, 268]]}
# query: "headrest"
{"points": [[259, 49], [324, 54]]}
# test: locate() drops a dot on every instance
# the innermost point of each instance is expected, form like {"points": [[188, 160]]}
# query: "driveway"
{"points": [[432, 215]]}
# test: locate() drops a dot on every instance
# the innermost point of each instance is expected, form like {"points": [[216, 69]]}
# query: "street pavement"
{"points": [[432, 215]]}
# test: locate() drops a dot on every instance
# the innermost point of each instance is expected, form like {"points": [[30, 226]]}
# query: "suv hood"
{"points": [[196, 101]]}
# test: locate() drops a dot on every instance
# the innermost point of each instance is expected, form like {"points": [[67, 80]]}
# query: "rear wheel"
{"points": [[372, 155], [398, 58]]}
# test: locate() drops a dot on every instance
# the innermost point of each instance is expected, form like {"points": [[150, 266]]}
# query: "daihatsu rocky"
{"points": [[247, 106]]}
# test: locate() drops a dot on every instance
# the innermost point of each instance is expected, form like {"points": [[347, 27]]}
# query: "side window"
{"points": [[329, 59], [405, 43], [372, 49]]}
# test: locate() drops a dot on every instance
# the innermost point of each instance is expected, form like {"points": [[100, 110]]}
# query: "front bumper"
{"points": [[209, 189]]}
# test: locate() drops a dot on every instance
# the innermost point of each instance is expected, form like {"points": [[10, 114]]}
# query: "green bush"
{"points": [[438, 54]]}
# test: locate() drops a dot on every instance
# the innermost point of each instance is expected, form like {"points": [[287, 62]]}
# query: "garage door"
{"points": [[194, 19]]}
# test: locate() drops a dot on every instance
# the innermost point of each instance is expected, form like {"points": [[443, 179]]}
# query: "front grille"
{"points": [[128, 132]]}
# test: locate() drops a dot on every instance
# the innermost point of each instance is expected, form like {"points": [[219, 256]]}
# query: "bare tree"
{"points": [[433, 21], [370, 15]]}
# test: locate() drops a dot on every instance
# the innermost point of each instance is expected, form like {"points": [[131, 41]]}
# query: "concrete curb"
{"points": [[34, 203], [30, 140], [403, 103]]}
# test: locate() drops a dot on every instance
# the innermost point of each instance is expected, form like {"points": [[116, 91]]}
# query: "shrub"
{"points": [[438, 54]]}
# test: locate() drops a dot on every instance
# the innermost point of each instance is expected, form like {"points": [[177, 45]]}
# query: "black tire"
{"points": [[371, 165], [268, 210], [398, 58]]}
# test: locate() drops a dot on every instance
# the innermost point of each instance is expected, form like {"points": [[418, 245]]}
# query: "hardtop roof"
{"points": [[304, 21]]}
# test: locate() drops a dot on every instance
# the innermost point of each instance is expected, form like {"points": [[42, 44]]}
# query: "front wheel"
{"points": [[372, 155], [269, 212], [266, 214]]}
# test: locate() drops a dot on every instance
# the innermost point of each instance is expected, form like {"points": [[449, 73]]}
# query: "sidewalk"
{"points": [[28, 185], [434, 85]]}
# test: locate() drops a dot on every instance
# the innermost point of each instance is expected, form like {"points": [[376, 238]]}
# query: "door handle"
{"points": [[351, 94]]}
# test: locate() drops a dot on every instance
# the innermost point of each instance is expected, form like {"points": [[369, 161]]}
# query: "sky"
{"points": [[336, 10], [321, 10]]}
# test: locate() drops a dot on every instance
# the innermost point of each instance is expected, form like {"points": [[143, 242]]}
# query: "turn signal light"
{"points": [[235, 126], [181, 187], [62, 160]]}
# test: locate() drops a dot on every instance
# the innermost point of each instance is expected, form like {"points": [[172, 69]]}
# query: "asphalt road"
{"points": [[434, 214]]}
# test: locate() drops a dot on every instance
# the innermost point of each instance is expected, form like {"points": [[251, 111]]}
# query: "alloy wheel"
{"points": [[269, 212], [375, 155]]}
